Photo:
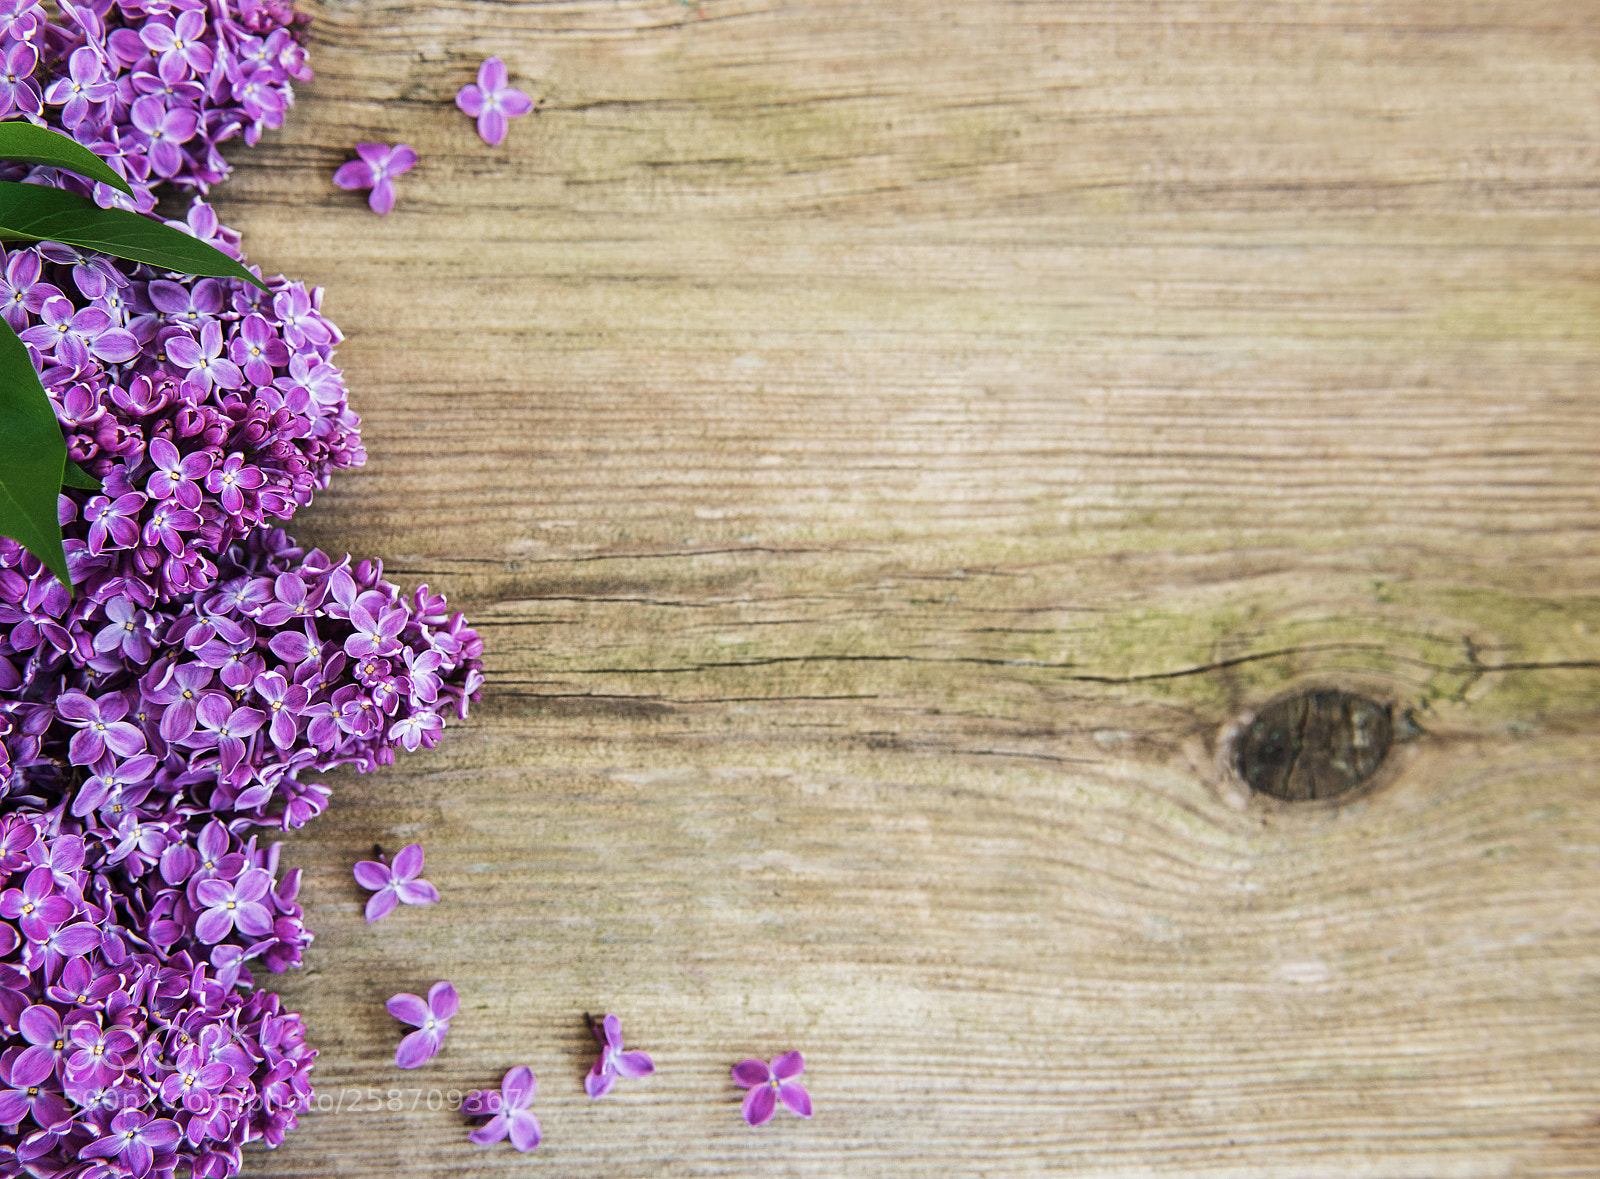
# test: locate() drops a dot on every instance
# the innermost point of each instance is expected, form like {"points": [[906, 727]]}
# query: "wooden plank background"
{"points": [[885, 446]]}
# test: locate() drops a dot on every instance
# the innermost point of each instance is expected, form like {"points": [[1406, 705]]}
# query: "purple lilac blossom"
{"points": [[229, 696], [376, 169], [510, 1109], [395, 883], [149, 722], [492, 101], [614, 1061], [123, 1035], [153, 89], [432, 1021], [769, 1084], [131, 1137], [233, 905], [194, 449]]}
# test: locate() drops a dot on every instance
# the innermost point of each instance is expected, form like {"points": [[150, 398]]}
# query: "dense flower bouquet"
{"points": [[201, 663], [153, 86]]}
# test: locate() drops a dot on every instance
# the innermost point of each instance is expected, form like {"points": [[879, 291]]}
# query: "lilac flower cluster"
{"points": [[152, 86], [149, 721], [131, 770], [205, 661], [205, 407], [127, 1034], [220, 700]]}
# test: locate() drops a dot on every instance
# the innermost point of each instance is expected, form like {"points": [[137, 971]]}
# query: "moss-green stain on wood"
{"points": [[1039, 643]]}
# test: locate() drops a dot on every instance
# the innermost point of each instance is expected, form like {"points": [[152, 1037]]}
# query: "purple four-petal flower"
{"points": [[180, 41], [100, 726], [164, 129], [27, 1095], [83, 86], [510, 1108], [256, 349], [226, 727], [36, 907], [770, 1084], [614, 1061], [492, 101], [205, 364], [231, 904], [395, 883], [135, 1137], [18, 91], [375, 635], [376, 169], [432, 1020]]}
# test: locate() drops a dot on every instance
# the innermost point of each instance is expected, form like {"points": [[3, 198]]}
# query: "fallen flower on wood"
{"points": [[770, 1084], [432, 1019], [376, 169], [614, 1061], [395, 882], [492, 101], [510, 1109]]}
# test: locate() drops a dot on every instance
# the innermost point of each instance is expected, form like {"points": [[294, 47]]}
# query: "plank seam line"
{"points": [[1473, 669]]}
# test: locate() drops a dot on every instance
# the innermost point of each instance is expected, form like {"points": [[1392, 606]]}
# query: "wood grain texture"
{"points": [[889, 448]]}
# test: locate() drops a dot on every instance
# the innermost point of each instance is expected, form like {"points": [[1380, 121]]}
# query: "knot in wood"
{"points": [[1315, 745]]}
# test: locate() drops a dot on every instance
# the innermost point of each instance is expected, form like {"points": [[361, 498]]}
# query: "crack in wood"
{"points": [[1087, 677]]}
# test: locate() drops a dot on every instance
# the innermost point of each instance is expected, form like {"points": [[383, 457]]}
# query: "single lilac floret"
{"points": [[492, 102], [234, 904], [614, 1062], [770, 1084], [376, 169], [432, 1019], [395, 882], [510, 1109], [135, 1139]]}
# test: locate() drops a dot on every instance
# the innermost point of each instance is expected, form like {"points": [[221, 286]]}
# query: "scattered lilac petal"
{"points": [[759, 1105], [395, 883], [431, 1018], [614, 1061], [378, 165], [492, 101], [511, 1116], [768, 1084]]}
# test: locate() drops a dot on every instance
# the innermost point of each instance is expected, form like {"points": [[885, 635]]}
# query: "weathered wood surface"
{"points": [[886, 445]]}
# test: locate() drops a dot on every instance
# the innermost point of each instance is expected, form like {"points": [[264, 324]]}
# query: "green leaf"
{"points": [[21, 140], [33, 212], [32, 458], [76, 476]]}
